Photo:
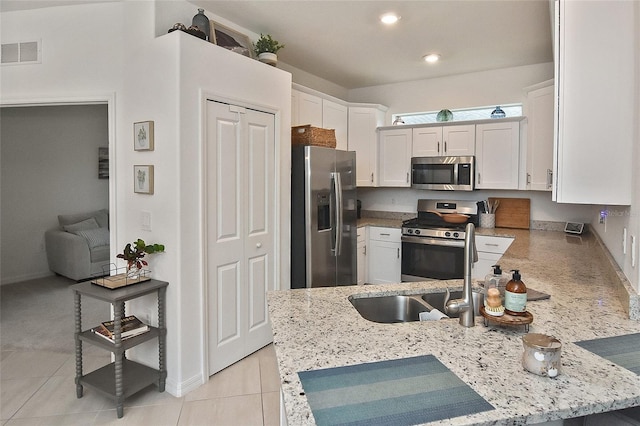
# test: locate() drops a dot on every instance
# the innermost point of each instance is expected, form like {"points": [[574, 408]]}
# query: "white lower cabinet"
{"points": [[490, 250], [384, 255], [362, 255]]}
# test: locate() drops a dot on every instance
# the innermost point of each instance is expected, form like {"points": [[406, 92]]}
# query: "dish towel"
{"points": [[405, 391], [622, 350]]}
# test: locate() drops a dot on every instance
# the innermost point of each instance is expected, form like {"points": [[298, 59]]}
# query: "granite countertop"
{"points": [[319, 328]]}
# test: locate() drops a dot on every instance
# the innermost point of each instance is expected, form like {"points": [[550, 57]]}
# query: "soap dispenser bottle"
{"points": [[515, 295], [496, 279]]}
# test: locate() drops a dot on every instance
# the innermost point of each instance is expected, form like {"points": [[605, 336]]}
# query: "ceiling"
{"points": [[344, 42]]}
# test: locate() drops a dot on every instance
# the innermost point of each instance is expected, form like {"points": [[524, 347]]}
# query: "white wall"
{"points": [[49, 167], [174, 100]]}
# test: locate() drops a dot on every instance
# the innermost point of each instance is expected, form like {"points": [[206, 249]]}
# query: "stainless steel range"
{"points": [[433, 248]]}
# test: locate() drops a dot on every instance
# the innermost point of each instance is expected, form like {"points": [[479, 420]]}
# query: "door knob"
{"points": [[259, 245]]}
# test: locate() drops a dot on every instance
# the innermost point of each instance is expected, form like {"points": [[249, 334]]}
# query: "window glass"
{"points": [[465, 114]]}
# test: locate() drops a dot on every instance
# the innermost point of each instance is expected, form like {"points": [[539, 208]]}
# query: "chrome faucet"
{"points": [[465, 306]]}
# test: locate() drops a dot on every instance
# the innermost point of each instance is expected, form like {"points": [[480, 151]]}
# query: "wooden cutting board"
{"points": [[513, 213]]}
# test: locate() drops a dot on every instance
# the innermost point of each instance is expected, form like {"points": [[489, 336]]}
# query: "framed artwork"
{"points": [[143, 179], [143, 136], [230, 39], [103, 163]]}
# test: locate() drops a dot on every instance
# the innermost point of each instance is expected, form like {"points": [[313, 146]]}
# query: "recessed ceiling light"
{"points": [[389, 18], [432, 58]]}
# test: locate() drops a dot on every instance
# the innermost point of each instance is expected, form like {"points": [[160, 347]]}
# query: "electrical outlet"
{"points": [[603, 217], [145, 221]]}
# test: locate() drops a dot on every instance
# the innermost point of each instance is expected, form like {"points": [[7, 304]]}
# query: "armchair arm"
{"points": [[68, 254]]}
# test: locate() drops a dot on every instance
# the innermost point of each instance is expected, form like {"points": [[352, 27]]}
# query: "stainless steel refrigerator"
{"points": [[323, 217]]}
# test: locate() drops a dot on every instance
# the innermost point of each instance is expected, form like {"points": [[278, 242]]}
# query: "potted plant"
{"points": [[134, 252], [266, 48]]}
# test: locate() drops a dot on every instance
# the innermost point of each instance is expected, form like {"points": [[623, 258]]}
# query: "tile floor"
{"points": [[37, 389]]}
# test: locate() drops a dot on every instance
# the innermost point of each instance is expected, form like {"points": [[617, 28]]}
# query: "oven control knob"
{"points": [[410, 231], [447, 234], [417, 232], [456, 235]]}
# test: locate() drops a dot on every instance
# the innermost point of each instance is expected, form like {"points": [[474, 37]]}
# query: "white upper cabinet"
{"points": [[539, 112], [394, 148], [444, 141], [309, 110], [497, 155], [595, 65], [335, 116], [363, 124]]}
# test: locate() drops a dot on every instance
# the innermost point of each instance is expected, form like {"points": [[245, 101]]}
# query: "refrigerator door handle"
{"points": [[337, 186]]}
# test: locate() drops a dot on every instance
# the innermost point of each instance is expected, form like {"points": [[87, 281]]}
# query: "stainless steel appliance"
{"points": [[443, 173], [323, 217], [431, 247]]}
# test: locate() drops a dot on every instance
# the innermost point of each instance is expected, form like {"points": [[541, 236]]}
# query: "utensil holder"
{"points": [[487, 220]]}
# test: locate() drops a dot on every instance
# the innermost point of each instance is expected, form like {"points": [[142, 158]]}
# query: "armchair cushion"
{"points": [[86, 224], [95, 237]]}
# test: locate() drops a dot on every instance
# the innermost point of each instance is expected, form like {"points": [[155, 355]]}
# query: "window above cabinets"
{"points": [[461, 114]]}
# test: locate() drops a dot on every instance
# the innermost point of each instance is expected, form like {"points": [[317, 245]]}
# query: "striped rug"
{"points": [[398, 392], [621, 350]]}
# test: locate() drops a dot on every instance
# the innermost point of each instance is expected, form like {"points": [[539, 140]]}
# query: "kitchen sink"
{"points": [[406, 308], [390, 309]]}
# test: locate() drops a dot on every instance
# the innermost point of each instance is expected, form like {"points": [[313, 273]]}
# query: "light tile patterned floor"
{"points": [[37, 388]]}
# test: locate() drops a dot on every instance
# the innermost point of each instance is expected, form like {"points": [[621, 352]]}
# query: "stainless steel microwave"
{"points": [[443, 173]]}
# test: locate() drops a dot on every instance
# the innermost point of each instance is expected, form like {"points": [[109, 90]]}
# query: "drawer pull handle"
{"points": [[491, 244], [386, 235]]}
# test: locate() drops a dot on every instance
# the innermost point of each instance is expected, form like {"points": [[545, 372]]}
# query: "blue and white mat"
{"points": [[621, 350], [399, 392]]}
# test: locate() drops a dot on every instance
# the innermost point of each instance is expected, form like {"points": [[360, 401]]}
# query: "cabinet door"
{"points": [[394, 148], [309, 109], [497, 155], [459, 140], [540, 139], [295, 106], [363, 140], [385, 262], [335, 116], [594, 148], [427, 142]]}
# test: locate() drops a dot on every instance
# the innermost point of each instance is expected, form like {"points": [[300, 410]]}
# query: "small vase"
{"points": [[202, 22], [133, 272], [498, 113], [268, 58]]}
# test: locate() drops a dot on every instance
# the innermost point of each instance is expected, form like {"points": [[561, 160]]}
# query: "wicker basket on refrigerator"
{"points": [[309, 135]]}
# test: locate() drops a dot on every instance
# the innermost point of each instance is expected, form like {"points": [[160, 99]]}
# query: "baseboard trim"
{"points": [[26, 277], [179, 389]]}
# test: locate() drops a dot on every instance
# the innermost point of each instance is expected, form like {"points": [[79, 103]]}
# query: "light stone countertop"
{"points": [[319, 328]]}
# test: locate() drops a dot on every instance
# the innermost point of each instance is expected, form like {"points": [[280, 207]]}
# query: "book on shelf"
{"points": [[129, 326], [100, 331]]}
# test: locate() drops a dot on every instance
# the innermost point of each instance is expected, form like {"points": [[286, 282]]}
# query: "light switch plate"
{"points": [[145, 221]]}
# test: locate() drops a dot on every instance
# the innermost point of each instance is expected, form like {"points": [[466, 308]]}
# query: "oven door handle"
{"points": [[432, 241]]}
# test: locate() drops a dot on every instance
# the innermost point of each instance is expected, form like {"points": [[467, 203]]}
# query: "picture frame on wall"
{"points": [[231, 39], [103, 163], [143, 136], [143, 179]]}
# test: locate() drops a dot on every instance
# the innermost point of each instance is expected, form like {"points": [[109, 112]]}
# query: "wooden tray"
{"points": [[120, 280], [506, 319]]}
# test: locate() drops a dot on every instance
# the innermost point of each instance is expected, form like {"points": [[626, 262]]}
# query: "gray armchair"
{"points": [[79, 247]]}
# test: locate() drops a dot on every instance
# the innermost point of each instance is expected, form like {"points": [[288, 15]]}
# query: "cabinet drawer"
{"points": [[385, 234], [492, 244]]}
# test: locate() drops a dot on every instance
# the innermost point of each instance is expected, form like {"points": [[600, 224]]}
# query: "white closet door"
{"points": [[240, 243], [260, 209]]}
